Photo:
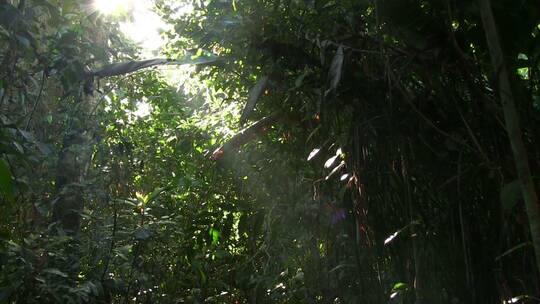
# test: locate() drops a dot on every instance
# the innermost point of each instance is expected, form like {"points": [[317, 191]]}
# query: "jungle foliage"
{"points": [[324, 151]]}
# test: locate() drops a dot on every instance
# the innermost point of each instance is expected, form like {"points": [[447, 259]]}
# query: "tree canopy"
{"points": [[321, 151]]}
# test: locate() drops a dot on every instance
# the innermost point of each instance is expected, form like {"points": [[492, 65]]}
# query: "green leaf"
{"points": [[19, 147], [122, 252], [313, 153], [334, 74], [55, 272], [132, 66], [215, 235], [329, 162], [398, 289], [336, 169], [128, 202], [42, 147], [300, 79], [509, 251], [340, 266], [510, 195], [400, 286], [142, 234], [23, 41], [6, 184], [151, 197], [395, 234], [318, 128]]}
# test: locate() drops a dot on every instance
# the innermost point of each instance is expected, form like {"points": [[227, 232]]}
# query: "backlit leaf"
{"points": [[400, 286], [215, 234], [334, 74], [336, 169], [395, 234], [313, 153], [329, 162]]}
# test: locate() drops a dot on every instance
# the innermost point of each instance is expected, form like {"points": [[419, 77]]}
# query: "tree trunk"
{"points": [[512, 126], [72, 161]]}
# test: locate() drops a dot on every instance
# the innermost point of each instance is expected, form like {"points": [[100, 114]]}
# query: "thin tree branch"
{"points": [[245, 136], [36, 102]]}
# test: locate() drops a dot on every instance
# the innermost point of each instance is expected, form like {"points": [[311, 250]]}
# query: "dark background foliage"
{"points": [[326, 152]]}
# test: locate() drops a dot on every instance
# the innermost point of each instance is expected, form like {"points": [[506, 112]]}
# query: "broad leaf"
{"points": [[152, 196], [55, 272], [142, 234], [215, 234], [336, 169], [122, 68], [313, 153], [400, 286], [329, 162], [334, 74]]}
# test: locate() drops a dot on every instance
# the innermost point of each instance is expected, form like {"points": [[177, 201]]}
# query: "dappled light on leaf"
{"points": [[336, 169], [313, 153], [390, 238], [329, 162]]}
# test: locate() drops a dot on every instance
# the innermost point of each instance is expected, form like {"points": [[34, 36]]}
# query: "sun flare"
{"points": [[143, 25], [111, 7]]}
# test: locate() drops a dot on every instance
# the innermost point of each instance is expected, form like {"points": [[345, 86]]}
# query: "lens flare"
{"points": [[112, 7]]}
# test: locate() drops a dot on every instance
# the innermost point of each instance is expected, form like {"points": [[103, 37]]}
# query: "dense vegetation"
{"points": [[352, 151]]}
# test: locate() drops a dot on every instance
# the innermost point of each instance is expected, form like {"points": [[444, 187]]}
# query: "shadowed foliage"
{"points": [[354, 151]]}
